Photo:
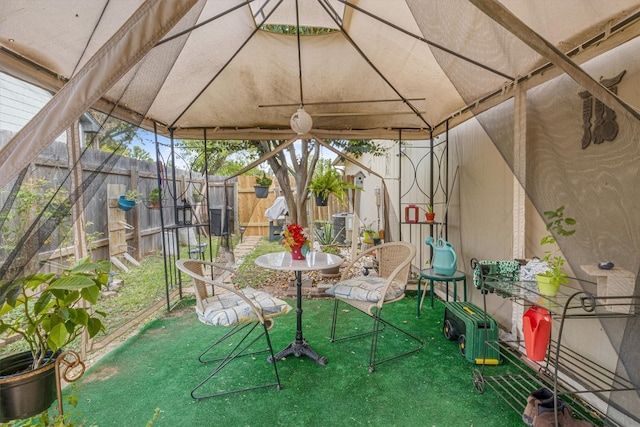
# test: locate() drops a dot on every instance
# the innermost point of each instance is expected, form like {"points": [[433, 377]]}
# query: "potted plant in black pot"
{"points": [[327, 181], [262, 186], [44, 310]]}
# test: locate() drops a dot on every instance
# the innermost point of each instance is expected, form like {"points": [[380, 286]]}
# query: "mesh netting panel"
{"points": [[579, 154]]}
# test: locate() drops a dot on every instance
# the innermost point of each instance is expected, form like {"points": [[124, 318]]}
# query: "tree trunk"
{"points": [[301, 168]]}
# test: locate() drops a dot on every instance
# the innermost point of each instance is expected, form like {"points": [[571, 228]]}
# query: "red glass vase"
{"points": [[296, 253]]}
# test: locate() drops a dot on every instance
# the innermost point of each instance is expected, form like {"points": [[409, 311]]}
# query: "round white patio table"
{"points": [[313, 261]]}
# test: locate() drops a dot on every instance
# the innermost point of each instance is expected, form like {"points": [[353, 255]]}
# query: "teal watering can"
{"points": [[444, 257]]}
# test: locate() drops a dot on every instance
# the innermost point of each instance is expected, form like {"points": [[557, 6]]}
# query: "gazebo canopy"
{"points": [[389, 64]]}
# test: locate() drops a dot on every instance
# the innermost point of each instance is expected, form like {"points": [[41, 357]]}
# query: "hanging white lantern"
{"points": [[301, 122]]}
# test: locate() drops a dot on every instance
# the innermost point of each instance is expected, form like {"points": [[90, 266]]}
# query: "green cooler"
{"points": [[469, 325]]}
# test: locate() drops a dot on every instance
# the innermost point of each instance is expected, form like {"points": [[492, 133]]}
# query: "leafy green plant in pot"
{"points": [[328, 181], [198, 197], [44, 310], [369, 234], [324, 234], [153, 199], [262, 186], [430, 214], [129, 200], [549, 282]]}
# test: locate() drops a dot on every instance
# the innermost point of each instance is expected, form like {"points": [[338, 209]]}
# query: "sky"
{"points": [[148, 144]]}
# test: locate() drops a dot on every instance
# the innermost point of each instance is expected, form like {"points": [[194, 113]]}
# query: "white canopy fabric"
{"points": [[390, 65]]}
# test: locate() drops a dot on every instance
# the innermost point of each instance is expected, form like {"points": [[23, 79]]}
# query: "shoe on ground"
{"points": [[546, 416], [533, 403]]}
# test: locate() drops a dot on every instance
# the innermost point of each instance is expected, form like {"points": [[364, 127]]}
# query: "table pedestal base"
{"points": [[299, 349]]}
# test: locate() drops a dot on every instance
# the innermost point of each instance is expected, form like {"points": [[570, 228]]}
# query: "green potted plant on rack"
{"points": [[430, 214], [43, 310], [550, 281], [153, 199], [328, 181], [129, 200], [262, 186]]}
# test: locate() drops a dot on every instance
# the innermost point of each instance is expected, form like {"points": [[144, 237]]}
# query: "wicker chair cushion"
{"points": [[366, 288], [227, 309]]}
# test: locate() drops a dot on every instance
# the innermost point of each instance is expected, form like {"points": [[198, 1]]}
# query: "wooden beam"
{"points": [[535, 41]]}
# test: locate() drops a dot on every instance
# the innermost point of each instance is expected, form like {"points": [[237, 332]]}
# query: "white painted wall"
{"points": [[19, 102]]}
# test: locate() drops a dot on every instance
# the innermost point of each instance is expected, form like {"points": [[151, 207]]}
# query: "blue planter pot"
{"points": [[126, 205]]}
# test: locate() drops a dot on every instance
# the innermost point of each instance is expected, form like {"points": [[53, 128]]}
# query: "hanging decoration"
{"points": [[184, 213], [411, 213], [301, 122]]}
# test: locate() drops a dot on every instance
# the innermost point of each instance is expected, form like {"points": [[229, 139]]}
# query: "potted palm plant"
{"points": [[44, 310], [262, 186], [327, 181]]}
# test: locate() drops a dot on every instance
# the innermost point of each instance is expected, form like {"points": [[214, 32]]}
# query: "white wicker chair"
{"points": [[369, 293], [240, 309]]}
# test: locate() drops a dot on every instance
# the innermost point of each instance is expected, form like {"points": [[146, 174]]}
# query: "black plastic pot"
{"points": [[262, 192], [24, 394], [321, 201]]}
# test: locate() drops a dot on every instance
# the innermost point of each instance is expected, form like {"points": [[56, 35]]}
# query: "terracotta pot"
{"points": [[430, 216]]}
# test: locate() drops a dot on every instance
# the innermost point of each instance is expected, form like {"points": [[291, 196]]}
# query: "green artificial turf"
{"points": [[159, 367]]}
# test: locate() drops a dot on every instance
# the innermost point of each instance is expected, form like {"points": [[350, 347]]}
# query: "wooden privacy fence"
{"points": [[251, 210], [142, 227]]}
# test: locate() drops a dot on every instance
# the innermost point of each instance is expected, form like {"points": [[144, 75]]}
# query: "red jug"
{"points": [[536, 325]]}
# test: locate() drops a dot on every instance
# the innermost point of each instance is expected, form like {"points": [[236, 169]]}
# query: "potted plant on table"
{"points": [[327, 181], [550, 281], [294, 240], [43, 309], [262, 186]]}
